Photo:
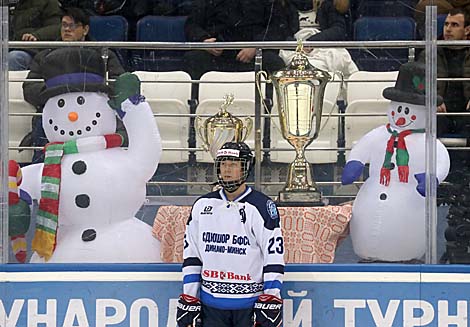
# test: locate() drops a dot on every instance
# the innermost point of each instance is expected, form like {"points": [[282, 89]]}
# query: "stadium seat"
{"points": [[440, 24], [382, 29], [108, 28], [211, 97], [365, 96], [363, 85], [327, 138], [159, 29], [111, 28], [169, 98], [19, 126]]}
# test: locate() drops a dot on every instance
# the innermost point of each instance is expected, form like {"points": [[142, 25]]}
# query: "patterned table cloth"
{"points": [[311, 234]]}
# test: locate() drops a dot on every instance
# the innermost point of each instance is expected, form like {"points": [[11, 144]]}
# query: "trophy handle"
{"points": [[246, 129], [258, 77], [199, 128]]}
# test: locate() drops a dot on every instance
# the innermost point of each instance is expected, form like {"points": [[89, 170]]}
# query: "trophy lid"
{"points": [[223, 117], [301, 68]]}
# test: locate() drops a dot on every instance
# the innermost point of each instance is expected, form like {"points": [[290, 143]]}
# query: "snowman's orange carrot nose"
{"points": [[73, 116]]}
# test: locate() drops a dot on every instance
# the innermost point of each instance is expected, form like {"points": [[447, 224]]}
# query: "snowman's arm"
{"points": [[32, 180], [145, 144], [442, 168], [443, 162], [358, 157], [361, 151]]}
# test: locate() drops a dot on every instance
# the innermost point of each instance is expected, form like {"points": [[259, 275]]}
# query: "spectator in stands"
{"points": [[171, 7], [75, 26], [331, 18], [88, 6], [32, 20], [454, 62], [443, 7], [237, 20]]}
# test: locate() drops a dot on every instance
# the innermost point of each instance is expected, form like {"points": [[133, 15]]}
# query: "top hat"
{"points": [[410, 85], [68, 70]]}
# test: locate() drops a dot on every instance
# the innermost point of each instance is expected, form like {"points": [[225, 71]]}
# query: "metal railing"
{"points": [[237, 45]]}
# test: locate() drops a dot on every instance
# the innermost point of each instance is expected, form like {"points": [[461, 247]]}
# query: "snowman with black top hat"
{"points": [[89, 187], [388, 217]]}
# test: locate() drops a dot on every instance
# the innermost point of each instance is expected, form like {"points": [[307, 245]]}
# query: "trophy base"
{"points": [[300, 199]]}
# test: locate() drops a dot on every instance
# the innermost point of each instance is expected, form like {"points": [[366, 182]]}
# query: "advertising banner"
{"points": [[314, 295]]}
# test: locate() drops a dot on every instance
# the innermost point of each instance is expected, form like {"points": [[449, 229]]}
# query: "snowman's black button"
{"points": [[392, 166], [395, 144], [82, 201], [88, 235], [383, 196], [79, 167]]}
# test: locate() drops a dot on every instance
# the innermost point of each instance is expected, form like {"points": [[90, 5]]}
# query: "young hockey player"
{"points": [[233, 252]]}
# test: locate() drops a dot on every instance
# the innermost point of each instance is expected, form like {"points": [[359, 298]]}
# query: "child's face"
{"points": [[231, 170]]}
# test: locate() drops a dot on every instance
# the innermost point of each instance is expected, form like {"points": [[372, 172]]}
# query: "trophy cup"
{"points": [[299, 89], [222, 127]]}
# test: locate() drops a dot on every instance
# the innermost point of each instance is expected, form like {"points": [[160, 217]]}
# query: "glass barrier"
{"points": [[371, 153], [4, 136]]}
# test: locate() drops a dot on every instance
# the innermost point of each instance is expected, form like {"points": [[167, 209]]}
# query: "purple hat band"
{"points": [[75, 78]]}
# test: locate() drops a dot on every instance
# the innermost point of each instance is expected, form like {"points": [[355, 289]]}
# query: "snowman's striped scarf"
{"points": [[402, 157], [44, 240]]}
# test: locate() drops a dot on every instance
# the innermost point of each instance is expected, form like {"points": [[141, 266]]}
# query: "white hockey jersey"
{"points": [[233, 250]]}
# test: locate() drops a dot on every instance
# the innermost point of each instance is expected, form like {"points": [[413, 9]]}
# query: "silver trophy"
{"points": [[222, 127], [300, 89]]}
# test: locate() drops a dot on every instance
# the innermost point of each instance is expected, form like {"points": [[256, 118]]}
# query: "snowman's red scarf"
{"points": [[402, 157], [44, 241]]}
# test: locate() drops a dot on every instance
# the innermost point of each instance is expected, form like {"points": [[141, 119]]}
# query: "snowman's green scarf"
{"points": [[44, 241], [402, 157]]}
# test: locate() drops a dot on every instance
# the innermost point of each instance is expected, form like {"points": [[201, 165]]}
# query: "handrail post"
{"points": [[258, 67], [431, 100], [4, 250]]}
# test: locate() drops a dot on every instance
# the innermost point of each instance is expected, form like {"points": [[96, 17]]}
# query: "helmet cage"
{"points": [[233, 185]]}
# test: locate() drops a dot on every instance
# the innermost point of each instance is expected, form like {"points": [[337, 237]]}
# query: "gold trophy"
{"points": [[299, 89], [222, 128]]}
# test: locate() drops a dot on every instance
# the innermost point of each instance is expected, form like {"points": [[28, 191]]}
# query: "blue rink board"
{"points": [[314, 295]]}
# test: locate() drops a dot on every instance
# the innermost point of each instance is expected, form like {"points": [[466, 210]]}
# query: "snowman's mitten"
{"points": [[351, 172], [126, 86], [421, 179], [19, 213], [19, 217]]}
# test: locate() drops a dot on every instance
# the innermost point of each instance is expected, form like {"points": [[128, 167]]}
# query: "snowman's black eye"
{"points": [[61, 103], [407, 110], [399, 109], [80, 100]]}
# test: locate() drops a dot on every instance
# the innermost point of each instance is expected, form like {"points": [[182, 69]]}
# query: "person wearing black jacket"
{"points": [[237, 20], [331, 18], [75, 26], [31, 20]]}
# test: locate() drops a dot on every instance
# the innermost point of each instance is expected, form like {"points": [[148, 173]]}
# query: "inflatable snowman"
{"points": [[89, 188], [388, 218]]}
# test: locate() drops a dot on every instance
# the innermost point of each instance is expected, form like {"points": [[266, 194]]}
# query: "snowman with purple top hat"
{"points": [[89, 187], [388, 217]]}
